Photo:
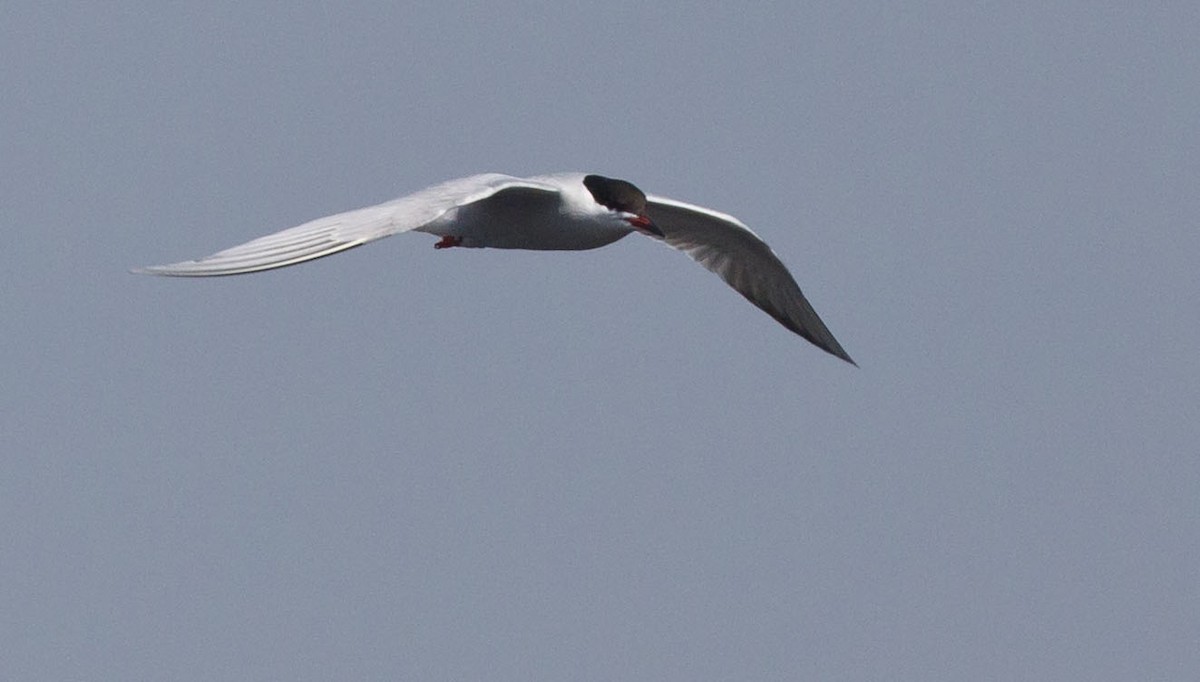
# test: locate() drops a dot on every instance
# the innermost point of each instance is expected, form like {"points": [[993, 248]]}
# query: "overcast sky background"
{"points": [[472, 464]]}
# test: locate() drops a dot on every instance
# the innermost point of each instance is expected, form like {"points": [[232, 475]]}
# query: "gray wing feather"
{"points": [[336, 233], [725, 246]]}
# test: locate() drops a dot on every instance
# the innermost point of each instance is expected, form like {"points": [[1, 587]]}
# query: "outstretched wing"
{"points": [[335, 233], [727, 247]]}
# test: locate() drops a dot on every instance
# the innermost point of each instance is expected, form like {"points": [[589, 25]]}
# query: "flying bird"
{"points": [[564, 211]]}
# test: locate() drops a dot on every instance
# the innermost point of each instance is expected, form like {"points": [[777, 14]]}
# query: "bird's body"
{"points": [[564, 211], [544, 213]]}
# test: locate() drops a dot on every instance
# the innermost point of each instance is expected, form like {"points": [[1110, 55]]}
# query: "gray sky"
{"points": [[406, 464]]}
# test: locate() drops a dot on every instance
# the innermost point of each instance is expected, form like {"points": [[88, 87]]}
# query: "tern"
{"points": [[562, 211]]}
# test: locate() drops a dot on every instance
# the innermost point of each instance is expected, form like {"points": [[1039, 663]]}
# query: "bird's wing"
{"points": [[727, 247], [329, 235]]}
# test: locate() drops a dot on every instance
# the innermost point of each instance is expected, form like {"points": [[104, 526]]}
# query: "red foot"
{"points": [[447, 242]]}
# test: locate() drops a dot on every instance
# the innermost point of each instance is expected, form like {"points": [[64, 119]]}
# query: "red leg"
{"points": [[447, 242]]}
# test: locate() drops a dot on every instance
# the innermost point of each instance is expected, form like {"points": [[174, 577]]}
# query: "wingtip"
{"points": [[155, 270], [840, 354], [824, 341], [831, 346]]}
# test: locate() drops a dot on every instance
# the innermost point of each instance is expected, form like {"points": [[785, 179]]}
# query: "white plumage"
{"points": [[566, 211]]}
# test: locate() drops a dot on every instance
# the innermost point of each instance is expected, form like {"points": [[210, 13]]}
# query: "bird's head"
{"points": [[625, 200]]}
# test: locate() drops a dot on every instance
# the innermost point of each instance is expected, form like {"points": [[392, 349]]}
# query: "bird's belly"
{"points": [[524, 230], [543, 237]]}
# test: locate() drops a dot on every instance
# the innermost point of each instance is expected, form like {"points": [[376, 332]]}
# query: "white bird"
{"points": [[565, 211]]}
